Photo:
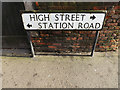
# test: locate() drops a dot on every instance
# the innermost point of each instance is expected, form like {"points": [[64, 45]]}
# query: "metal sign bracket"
{"points": [[92, 52]]}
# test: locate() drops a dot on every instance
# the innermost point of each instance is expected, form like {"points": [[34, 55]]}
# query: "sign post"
{"points": [[80, 20], [95, 41]]}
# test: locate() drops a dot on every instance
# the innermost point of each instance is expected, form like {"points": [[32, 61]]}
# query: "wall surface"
{"points": [[14, 36], [13, 33], [77, 41]]}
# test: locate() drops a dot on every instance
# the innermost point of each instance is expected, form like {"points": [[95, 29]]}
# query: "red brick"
{"points": [[114, 20], [74, 38], [117, 40], [102, 50], [113, 46], [66, 31], [105, 38], [57, 32], [91, 35], [47, 34], [95, 8], [97, 44], [103, 35], [93, 32], [37, 4], [80, 38], [112, 40], [68, 38], [40, 38], [114, 49], [112, 12], [111, 28], [48, 44], [69, 32], [58, 44], [52, 46], [80, 32], [117, 7], [112, 24], [79, 35], [33, 41], [42, 43], [43, 35], [76, 44], [101, 46], [117, 12], [37, 41], [117, 27], [107, 47], [107, 17]]}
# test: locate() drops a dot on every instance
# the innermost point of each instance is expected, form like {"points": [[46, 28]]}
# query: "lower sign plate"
{"points": [[63, 21]]}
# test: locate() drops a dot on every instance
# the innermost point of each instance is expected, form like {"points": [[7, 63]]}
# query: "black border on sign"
{"points": [[61, 11]]}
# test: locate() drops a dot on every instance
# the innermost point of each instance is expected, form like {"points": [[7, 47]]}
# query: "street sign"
{"points": [[63, 21], [84, 21]]}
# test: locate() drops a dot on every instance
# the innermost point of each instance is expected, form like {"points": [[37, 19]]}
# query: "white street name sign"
{"points": [[63, 21]]}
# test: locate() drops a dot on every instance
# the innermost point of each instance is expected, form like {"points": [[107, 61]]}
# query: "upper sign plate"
{"points": [[63, 21]]}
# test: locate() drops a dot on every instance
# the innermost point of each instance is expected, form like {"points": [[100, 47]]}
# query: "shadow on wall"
{"points": [[14, 37]]}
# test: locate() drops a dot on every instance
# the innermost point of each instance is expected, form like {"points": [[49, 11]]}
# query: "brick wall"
{"points": [[77, 41], [109, 36]]}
